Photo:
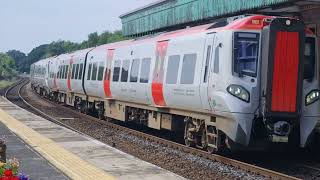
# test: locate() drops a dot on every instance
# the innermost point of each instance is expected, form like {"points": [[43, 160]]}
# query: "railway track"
{"points": [[14, 95]]}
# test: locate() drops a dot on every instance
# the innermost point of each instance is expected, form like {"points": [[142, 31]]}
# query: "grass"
{"points": [[5, 83]]}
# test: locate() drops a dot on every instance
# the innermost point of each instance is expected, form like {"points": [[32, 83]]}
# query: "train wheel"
{"points": [[101, 111], [203, 139], [189, 138], [213, 140]]}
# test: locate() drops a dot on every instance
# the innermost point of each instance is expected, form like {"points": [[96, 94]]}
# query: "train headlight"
{"points": [[239, 92], [312, 97]]}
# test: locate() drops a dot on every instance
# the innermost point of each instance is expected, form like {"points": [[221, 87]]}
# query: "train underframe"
{"points": [[198, 130]]}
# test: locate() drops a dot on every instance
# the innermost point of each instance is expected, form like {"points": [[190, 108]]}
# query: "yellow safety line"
{"points": [[67, 162]]}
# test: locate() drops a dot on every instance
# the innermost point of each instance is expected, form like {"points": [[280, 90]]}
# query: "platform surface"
{"points": [[31, 162], [74, 153]]}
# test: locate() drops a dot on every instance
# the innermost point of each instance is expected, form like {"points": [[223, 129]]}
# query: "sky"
{"points": [[26, 24]]}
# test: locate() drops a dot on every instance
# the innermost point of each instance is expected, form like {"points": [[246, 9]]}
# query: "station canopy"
{"points": [[165, 15]]}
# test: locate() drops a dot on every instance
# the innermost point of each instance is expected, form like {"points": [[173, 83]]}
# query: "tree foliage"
{"points": [[7, 66], [55, 48]]}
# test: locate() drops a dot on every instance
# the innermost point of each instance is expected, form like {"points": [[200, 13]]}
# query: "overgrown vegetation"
{"points": [[21, 62], [5, 83]]}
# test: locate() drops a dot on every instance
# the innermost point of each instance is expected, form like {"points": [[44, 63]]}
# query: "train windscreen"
{"points": [[310, 56], [246, 53]]}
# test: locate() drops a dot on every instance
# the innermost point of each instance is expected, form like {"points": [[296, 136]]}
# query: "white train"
{"points": [[248, 81]]}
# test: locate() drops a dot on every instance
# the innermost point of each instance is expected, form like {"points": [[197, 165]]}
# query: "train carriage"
{"points": [[247, 81]]}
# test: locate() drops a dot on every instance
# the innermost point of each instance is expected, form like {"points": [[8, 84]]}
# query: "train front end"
{"points": [[287, 72], [285, 100]]}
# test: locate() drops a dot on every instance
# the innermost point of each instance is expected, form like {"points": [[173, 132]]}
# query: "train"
{"points": [[244, 82]]}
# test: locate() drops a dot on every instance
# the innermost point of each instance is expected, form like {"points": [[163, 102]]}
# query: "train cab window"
{"points": [[246, 49], [134, 70], [205, 79], [116, 71], [89, 71], [94, 71], [81, 71], [172, 69], [73, 71], [125, 70], [310, 56], [188, 68], [145, 70], [100, 72], [216, 60], [77, 72]]}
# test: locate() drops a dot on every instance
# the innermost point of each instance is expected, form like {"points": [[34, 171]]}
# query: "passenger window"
{"points": [[116, 71], [81, 70], [62, 72], [77, 72], [107, 74], [207, 64], [125, 71], [172, 70], [100, 72], [73, 71], [216, 60], [94, 72], [188, 68], [134, 70], [58, 74], [89, 71], [145, 70], [67, 71]]}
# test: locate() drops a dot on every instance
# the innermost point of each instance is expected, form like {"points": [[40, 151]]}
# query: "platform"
{"points": [[75, 155]]}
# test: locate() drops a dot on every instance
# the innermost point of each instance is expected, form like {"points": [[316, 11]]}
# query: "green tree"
{"points": [[7, 66], [93, 39], [19, 59], [55, 48]]}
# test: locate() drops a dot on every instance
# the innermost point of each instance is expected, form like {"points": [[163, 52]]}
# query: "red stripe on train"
{"points": [[285, 74], [106, 82], [69, 74], [157, 86]]}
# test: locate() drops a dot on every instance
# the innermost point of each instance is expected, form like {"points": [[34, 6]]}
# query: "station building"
{"points": [[166, 15]]}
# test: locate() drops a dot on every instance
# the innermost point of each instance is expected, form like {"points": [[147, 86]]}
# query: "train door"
{"points": [[47, 74], [206, 85], [157, 82], [107, 74]]}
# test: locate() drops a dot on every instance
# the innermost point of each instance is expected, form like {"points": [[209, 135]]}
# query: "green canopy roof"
{"points": [[168, 13]]}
